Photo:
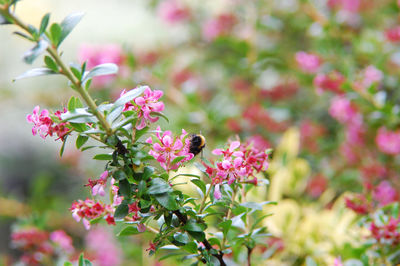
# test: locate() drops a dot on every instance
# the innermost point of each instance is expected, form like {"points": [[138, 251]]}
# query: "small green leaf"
{"points": [[81, 140], [225, 225], [50, 63], [23, 35], [158, 186], [99, 70], [79, 115], [128, 231], [76, 72], [182, 238], [120, 175], [177, 159], [121, 211], [103, 157], [167, 201], [147, 172], [67, 263], [55, 33], [160, 115], [35, 72], [68, 24], [200, 184], [190, 247], [199, 236], [125, 188], [129, 96], [71, 104], [63, 146], [193, 226], [44, 23]]}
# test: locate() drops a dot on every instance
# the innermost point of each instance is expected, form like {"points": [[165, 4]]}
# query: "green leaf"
{"points": [[193, 226], [160, 115], [128, 231], [71, 104], [200, 184], [50, 63], [83, 261], [169, 255], [190, 247], [129, 96], [80, 141], [182, 238], [35, 72], [225, 225], [257, 206], [167, 201], [199, 236], [147, 172], [23, 35], [177, 159], [103, 157], [124, 122], [68, 24], [142, 188], [67, 263], [55, 33], [121, 211], [114, 114], [125, 188], [76, 72], [79, 115], [158, 186], [99, 70], [44, 23], [120, 175], [63, 146]]}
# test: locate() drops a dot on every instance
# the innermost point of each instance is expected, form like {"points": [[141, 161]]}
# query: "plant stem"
{"points": [[202, 204], [66, 72], [229, 214]]}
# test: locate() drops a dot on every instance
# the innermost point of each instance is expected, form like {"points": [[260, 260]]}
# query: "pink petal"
{"points": [[234, 145], [177, 145], [217, 192], [237, 162], [149, 140], [140, 101], [217, 152], [86, 224], [104, 175], [157, 147], [167, 140], [141, 228]]}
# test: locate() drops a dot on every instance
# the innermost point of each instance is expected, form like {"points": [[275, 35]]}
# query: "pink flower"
{"points": [[337, 262], [87, 210], [99, 185], [218, 26], [372, 75], [63, 240], [167, 148], [388, 141], [387, 232], [342, 110], [393, 34], [104, 246], [172, 11], [145, 105], [359, 204], [329, 82], [101, 54], [384, 193], [352, 6], [317, 185], [42, 122], [308, 62], [217, 192]]}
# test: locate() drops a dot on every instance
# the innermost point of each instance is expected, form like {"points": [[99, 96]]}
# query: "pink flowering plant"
{"points": [[140, 164]]}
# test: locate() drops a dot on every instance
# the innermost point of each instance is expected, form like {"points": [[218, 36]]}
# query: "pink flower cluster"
{"points": [[239, 163], [172, 11], [393, 34], [343, 110], [329, 82], [388, 232], [359, 204], [145, 105], [89, 209], [44, 125], [98, 185], [219, 26], [37, 244], [101, 54], [385, 194], [308, 62], [388, 141], [166, 148]]}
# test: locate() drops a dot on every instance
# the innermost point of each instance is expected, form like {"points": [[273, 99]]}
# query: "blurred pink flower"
{"points": [[308, 62], [352, 6], [104, 246], [99, 185], [358, 204], [145, 105], [42, 122], [329, 82], [100, 54], [218, 26], [172, 11], [387, 232], [388, 141], [342, 110], [167, 148], [63, 240], [337, 262], [317, 185], [393, 34], [88, 210], [384, 193], [372, 75]]}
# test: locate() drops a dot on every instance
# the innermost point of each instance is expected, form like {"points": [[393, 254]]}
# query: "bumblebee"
{"points": [[197, 143]]}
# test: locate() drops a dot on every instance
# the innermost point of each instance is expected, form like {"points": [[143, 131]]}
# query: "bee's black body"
{"points": [[197, 143]]}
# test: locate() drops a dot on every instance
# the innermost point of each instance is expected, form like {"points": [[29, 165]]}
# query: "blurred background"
{"points": [[314, 80]]}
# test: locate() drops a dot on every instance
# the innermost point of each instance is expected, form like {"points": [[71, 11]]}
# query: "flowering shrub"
{"points": [[315, 80]]}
